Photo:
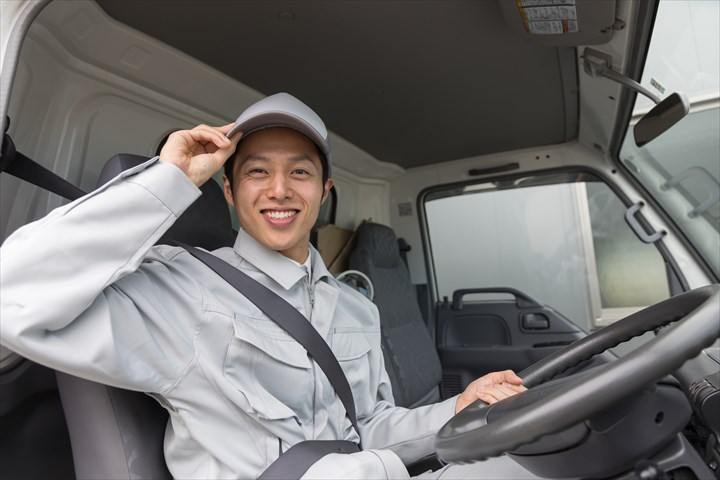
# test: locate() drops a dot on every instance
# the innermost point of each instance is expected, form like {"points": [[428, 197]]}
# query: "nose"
{"points": [[279, 186]]}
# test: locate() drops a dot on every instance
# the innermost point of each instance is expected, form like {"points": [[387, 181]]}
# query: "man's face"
{"points": [[278, 189]]}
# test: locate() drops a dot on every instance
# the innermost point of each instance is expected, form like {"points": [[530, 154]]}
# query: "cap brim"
{"points": [[280, 119]]}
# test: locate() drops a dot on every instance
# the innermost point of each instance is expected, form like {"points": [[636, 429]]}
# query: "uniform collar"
{"points": [[274, 264]]}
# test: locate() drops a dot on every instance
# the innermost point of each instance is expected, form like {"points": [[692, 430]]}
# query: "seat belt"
{"points": [[287, 317], [293, 464], [20, 166], [297, 459]]}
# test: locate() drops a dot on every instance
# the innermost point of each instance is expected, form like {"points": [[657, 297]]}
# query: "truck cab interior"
{"points": [[530, 185]]}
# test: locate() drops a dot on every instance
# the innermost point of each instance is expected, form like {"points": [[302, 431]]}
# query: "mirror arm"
{"points": [[598, 63]]}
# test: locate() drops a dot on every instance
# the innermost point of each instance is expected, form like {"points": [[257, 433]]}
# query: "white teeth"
{"points": [[283, 214]]}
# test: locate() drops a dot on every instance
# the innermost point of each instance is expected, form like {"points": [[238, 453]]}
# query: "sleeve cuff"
{"points": [[167, 182], [443, 412], [394, 467]]}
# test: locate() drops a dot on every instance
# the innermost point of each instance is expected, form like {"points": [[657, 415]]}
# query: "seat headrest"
{"points": [[378, 244], [206, 223]]}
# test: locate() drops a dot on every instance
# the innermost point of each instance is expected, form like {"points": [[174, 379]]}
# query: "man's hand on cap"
{"points": [[201, 151]]}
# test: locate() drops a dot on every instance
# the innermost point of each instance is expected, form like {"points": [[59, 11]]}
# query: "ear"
{"points": [[326, 190], [227, 191]]}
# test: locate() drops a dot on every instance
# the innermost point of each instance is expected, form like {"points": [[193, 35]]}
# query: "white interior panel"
{"points": [[84, 93]]}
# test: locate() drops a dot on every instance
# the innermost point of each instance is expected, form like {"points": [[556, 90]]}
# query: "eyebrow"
{"points": [[261, 158]]}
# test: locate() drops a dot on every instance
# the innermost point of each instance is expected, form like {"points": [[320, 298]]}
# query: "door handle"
{"points": [[535, 321], [522, 300]]}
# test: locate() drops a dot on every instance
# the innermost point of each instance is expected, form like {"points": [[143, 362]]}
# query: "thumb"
{"points": [[230, 132], [512, 377]]}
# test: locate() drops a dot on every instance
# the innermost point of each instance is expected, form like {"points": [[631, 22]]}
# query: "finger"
{"points": [[488, 397], [224, 153], [204, 134], [495, 394], [508, 376], [226, 128], [508, 389], [204, 139], [235, 137], [499, 391], [188, 143], [515, 388]]}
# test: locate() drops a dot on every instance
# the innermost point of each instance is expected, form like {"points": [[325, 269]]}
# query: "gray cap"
{"points": [[284, 110]]}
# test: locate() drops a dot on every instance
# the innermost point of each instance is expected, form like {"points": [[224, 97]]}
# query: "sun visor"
{"points": [[562, 23]]}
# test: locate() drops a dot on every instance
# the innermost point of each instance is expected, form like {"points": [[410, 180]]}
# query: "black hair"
{"points": [[230, 164]]}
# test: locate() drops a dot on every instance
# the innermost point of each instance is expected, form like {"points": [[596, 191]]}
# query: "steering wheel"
{"points": [[524, 418]]}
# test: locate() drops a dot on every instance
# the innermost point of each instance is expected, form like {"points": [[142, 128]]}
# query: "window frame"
{"points": [[675, 278]]}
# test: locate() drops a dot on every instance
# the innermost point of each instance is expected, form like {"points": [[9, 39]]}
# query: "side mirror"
{"points": [[663, 116]]}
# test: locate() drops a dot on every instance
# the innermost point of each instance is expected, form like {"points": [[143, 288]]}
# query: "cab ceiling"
{"points": [[410, 82]]}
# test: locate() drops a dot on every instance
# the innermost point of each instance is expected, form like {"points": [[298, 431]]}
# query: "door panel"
{"points": [[531, 264], [477, 337]]}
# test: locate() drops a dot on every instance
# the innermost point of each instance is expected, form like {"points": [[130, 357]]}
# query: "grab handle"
{"points": [[637, 228]]}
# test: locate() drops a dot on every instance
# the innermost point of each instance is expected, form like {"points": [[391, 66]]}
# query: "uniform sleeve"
{"points": [[79, 294], [409, 433], [392, 437]]}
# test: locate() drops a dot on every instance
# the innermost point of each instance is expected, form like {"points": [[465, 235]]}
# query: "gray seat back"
{"points": [[206, 223], [116, 433], [411, 359]]}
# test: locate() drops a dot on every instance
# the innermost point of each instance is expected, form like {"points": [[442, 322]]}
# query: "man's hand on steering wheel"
{"points": [[490, 388], [553, 405]]}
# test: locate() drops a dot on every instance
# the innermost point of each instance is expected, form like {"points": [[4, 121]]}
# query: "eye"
{"points": [[301, 171], [255, 171]]}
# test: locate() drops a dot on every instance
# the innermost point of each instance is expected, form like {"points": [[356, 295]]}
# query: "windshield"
{"points": [[681, 168]]}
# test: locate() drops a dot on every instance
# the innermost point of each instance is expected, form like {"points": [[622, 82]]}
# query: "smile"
{"points": [[279, 214]]}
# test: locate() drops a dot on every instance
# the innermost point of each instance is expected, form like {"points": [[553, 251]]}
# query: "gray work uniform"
{"points": [[84, 291]]}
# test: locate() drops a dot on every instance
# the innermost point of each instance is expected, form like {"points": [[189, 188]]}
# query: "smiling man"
{"points": [[277, 189], [101, 302]]}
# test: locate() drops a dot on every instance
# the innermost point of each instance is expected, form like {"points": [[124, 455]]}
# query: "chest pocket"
{"points": [[270, 368], [352, 351]]}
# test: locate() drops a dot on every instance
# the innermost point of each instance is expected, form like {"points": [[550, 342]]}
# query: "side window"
{"points": [[560, 239]]}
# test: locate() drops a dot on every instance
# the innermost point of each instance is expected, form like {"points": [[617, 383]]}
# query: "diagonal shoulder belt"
{"points": [[296, 460]]}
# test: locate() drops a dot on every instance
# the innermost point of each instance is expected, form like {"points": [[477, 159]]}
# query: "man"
{"points": [[84, 291]]}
